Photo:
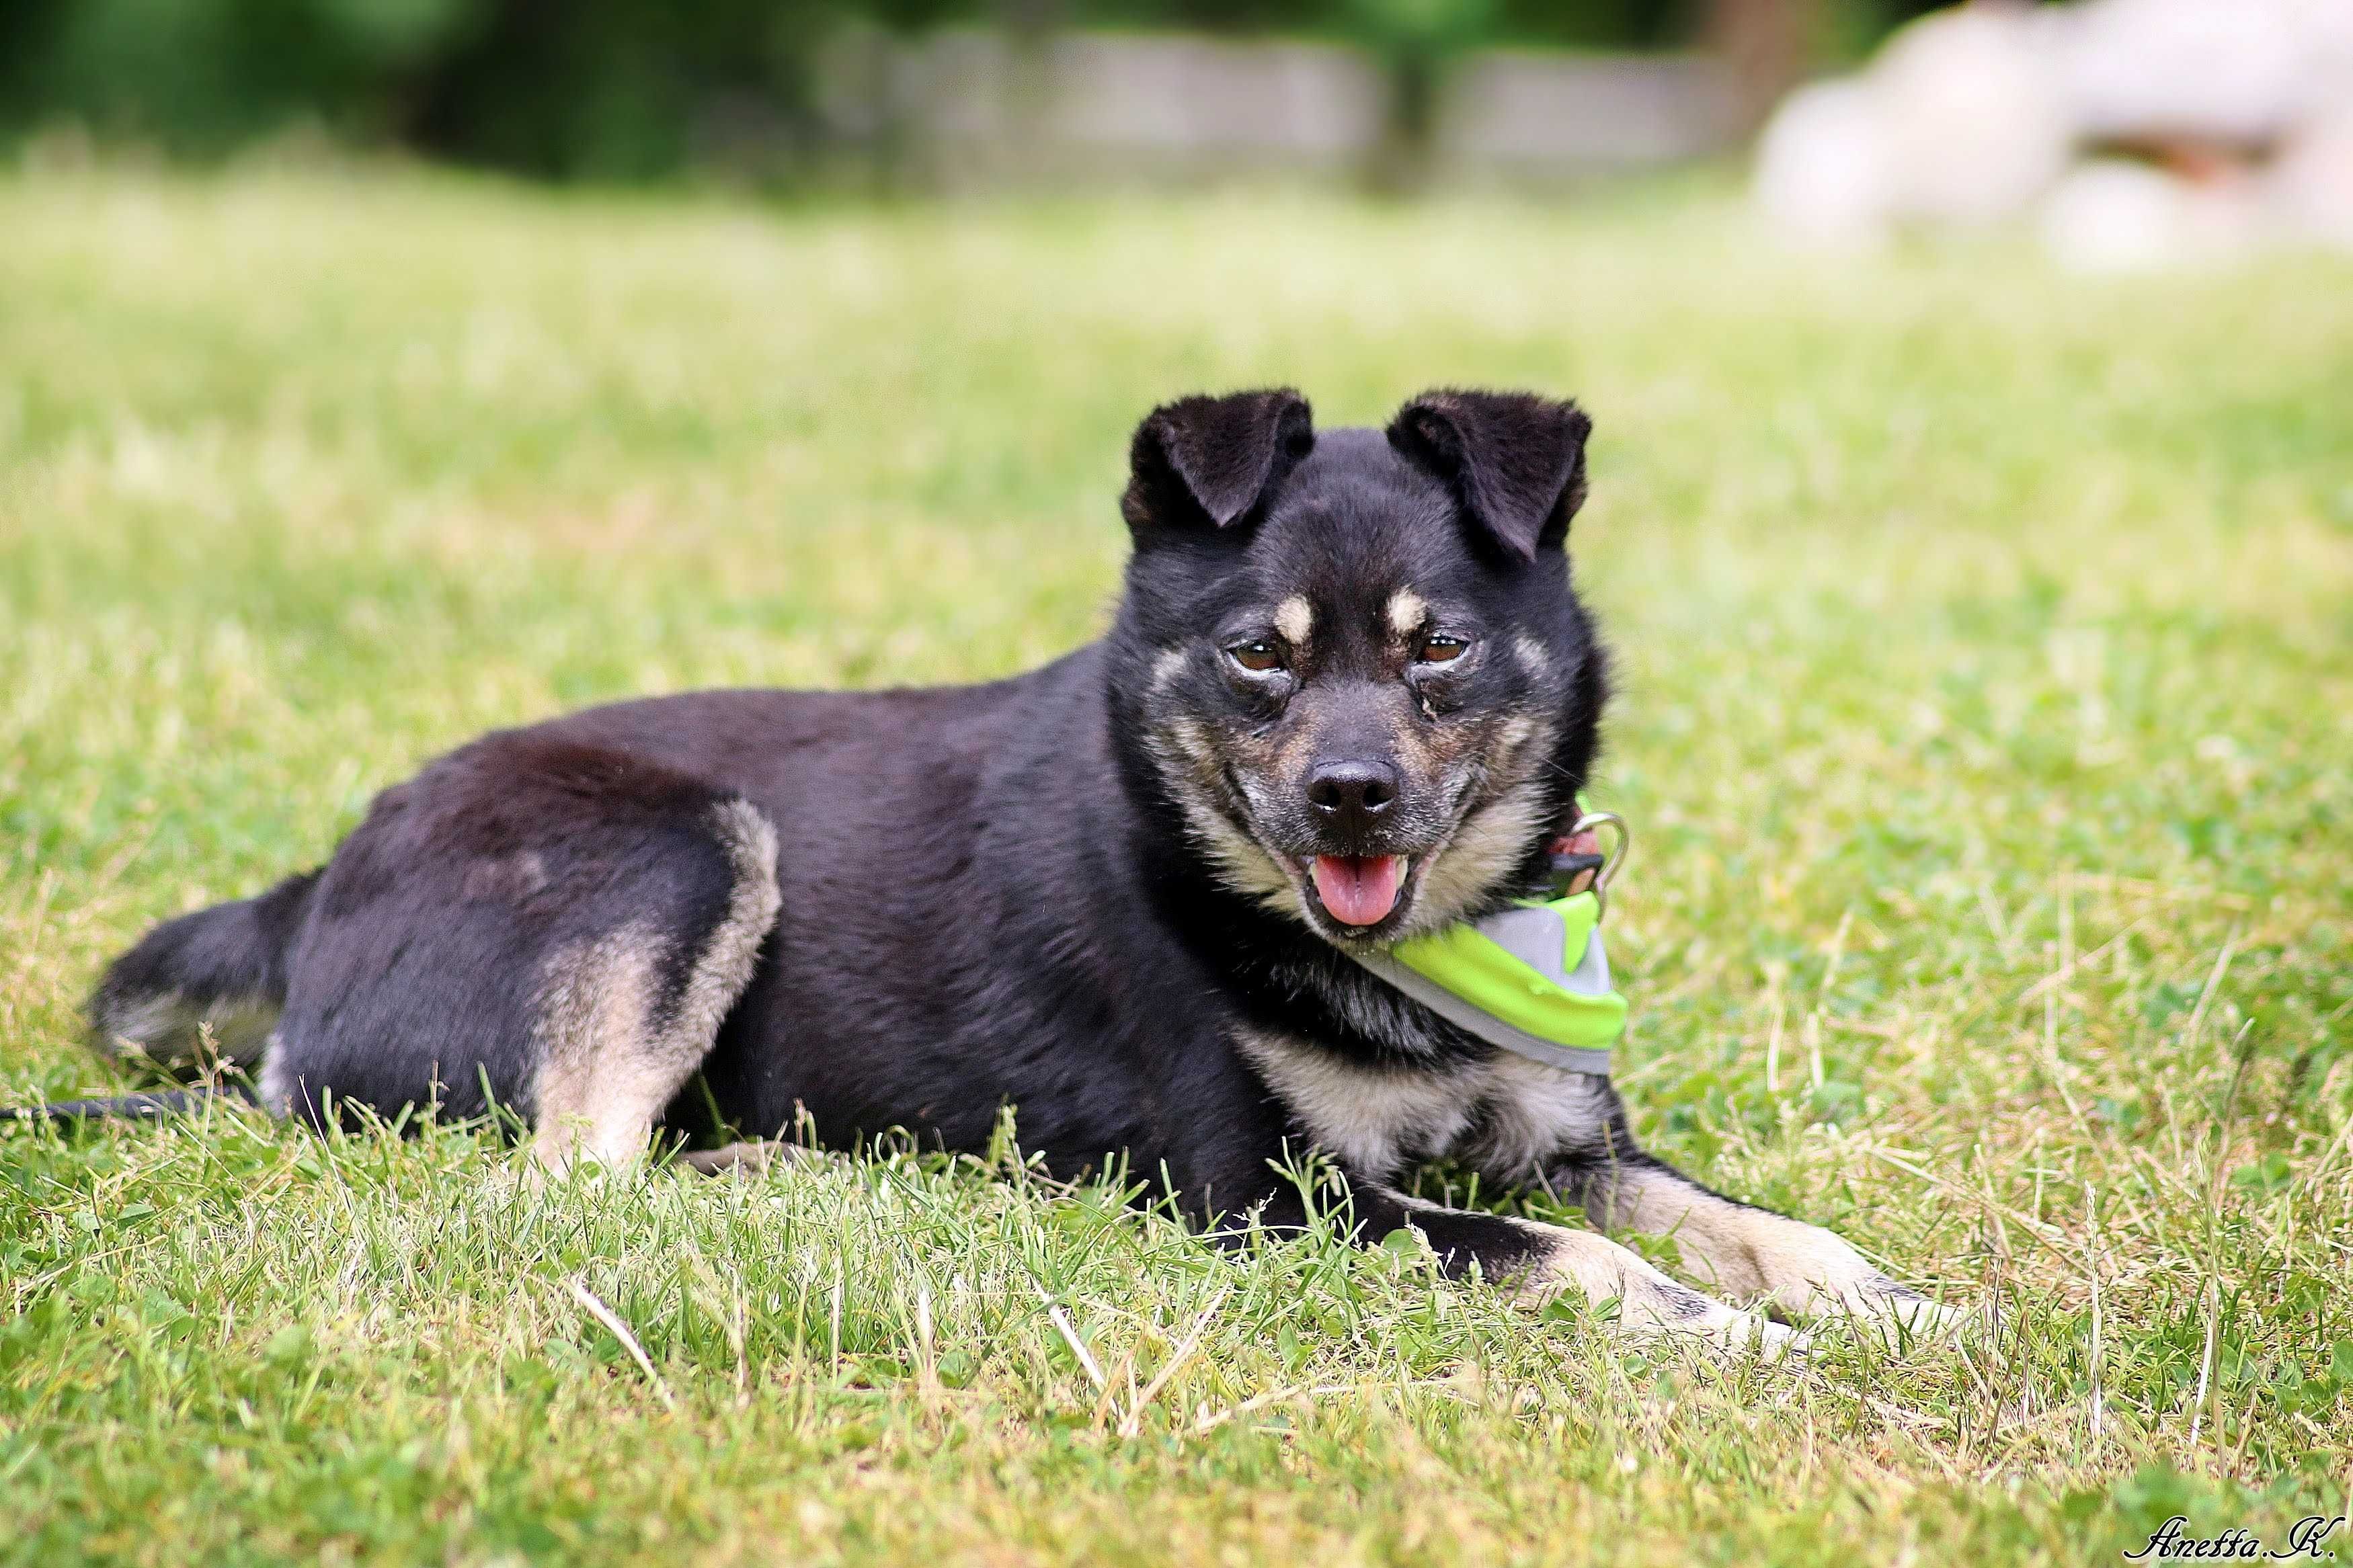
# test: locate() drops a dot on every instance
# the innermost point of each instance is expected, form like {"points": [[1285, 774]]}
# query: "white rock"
{"points": [[1821, 177], [1973, 115], [2215, 70], [1976, 123], [2110, 215], [2309, 188]]}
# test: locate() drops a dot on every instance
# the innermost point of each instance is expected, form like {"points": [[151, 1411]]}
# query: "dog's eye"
{"points": [[1440, 649], [1258, 656]]}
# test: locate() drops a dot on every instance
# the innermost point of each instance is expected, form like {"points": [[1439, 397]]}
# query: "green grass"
{"points": [[1989, 652]]}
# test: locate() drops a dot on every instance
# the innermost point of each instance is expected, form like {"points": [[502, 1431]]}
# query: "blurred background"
{"points": [[377, 373], [2126, 131]]}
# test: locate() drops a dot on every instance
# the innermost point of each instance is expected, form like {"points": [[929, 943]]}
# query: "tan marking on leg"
{"points": [[1295, 619], [733, 951], [744, 1158], [1406, 611], [1750, 1253], [1602, 1270], [600, 1083], [1648, 1302], [278, 1087], [608, 1064]]}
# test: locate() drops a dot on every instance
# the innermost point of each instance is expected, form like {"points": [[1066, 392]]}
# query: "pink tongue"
{"points": [[1359, 890]]}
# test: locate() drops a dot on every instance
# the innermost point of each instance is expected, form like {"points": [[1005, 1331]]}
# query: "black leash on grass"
{"points": [[129, 1107]]}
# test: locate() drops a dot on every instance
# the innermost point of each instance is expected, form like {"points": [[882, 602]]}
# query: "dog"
{"points": [[1349, 696]]}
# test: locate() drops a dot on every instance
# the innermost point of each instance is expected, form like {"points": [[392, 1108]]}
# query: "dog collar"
{"points": [[1532, 979]]}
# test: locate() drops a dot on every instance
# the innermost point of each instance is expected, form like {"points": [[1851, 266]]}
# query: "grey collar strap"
{"points": [[1478, 1021]]}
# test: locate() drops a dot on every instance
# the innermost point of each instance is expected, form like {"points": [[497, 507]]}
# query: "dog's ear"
{"points": [[1515, 460], [1210, 461]]}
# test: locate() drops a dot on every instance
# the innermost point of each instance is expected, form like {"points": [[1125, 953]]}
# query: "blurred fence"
{"points": [[970, 107], [941, 91]]}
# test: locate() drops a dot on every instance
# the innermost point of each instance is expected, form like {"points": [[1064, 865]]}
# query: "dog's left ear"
{"points": [[1515, 460]]}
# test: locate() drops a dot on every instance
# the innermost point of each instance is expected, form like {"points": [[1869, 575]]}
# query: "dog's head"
{"points": [[1354, 661]]}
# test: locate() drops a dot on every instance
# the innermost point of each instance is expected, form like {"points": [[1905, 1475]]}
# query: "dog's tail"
{"points": [[128, 1107], [220, 972]]}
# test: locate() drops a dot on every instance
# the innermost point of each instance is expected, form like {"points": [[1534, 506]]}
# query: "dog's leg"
{"points": [[744, 1159], [624, 1020], [1570, 1132], [1539, 1261], [1748, 1253]]}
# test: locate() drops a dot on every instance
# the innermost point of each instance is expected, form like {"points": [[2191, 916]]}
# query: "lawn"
{"points": [[1987, 640]]}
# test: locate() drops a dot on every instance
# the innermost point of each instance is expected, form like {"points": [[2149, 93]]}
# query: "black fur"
{"points": [[1071, 892], [1516, 461], [429, 923], [230, 952], [988, 898]]}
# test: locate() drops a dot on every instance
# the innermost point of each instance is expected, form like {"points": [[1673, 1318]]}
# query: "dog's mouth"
{"points": [[1347, 897], [1359, 891]]}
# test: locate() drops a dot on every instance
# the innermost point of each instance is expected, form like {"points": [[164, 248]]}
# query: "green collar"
{"points": [[1532, 979]]}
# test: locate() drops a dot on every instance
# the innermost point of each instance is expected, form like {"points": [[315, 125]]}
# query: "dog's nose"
{"points": [[1350, 793]]}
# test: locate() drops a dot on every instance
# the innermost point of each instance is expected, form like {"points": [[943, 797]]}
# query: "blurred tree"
{"points": [[1414, 41], [203, 75], [1030, 25], [618, 89], [1766, 45]]}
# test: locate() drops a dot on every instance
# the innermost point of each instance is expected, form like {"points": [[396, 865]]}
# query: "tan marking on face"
{"points": [[1189, 764], [1532, 654], [1192, 743], [1484, 850], [1295, 619], [1166, 667], [1407, 610], [1497, 831], [1428, 752]]}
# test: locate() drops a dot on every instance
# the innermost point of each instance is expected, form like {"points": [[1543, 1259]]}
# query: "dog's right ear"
{"points": [[1208, 462]]}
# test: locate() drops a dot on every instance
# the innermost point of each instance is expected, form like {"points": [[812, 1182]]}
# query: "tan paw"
{"points": [[744, 1158]]}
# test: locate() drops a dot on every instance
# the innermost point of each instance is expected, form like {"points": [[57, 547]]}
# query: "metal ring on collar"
{"points": [[1622, 840]]}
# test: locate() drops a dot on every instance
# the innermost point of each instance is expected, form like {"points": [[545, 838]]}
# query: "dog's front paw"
{"points": [[1897, 1315], [1814, 1275], [1736, 1332], [1920, 1318], [744, 1159], [1681, 1314], [1648, 1304]]}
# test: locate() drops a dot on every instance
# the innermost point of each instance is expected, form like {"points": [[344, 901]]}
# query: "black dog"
{"points": [[1349, 697]]}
